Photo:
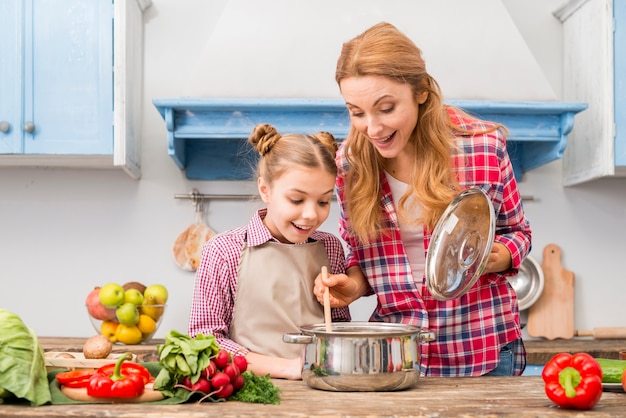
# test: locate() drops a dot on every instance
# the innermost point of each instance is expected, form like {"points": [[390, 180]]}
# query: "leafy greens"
{"points": [[22, 363]]}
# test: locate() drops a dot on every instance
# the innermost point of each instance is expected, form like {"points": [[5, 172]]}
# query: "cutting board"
{"points": [[552, 316]]}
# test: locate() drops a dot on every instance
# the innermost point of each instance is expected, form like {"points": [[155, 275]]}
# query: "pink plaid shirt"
{"points": [[216, 278], [470, 330]]}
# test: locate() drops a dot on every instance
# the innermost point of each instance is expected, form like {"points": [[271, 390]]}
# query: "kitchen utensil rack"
{"points": [[196, 197]]}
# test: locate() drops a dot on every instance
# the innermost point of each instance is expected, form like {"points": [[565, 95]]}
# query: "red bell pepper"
{"points": [[573, 381], [117, 384], [126, 369], [75, 378]]}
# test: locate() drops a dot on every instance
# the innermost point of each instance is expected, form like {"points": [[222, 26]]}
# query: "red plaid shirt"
{"points": [[216, 278], [470, 330]]}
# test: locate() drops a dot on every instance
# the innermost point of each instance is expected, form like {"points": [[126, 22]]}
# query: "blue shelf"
{"points": [[207, 137]]}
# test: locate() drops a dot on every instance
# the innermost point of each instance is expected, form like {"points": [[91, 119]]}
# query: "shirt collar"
{"points": [[257, 231]]}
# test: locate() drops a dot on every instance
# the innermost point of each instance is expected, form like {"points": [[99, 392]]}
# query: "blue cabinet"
{"points": [[206, 137], [63, 65]]}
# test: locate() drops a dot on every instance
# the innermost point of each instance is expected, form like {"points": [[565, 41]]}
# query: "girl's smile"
{"points": [[298, 202]]}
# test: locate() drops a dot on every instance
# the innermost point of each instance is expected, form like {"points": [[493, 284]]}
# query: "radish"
{"points": [[225, 391], [232, 371], [202, 385], [219, 380], [186, 381], [239, 382], [241, 362], [209, 371], [222, 358]]}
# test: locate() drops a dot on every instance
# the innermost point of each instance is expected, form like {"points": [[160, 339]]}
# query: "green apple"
{"points": [[133, 296], [111, 295], [127, 314], [155, 294]]}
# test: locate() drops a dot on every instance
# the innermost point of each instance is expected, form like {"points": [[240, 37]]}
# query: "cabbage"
{"points": [[22, 363]]}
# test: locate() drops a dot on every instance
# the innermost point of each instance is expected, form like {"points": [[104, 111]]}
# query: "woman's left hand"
{"points": [[499, 259]]}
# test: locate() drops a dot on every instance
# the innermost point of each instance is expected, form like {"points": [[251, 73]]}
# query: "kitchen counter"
{"points": [[538, 351], [441, 397], [541, 351], [468, 397]]}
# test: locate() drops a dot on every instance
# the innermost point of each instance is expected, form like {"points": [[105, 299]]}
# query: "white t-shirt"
{"points": [[412, 236]]}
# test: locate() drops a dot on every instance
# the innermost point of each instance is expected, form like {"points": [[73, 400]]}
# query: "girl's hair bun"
{"points": [[328, 140], [263, 137]]}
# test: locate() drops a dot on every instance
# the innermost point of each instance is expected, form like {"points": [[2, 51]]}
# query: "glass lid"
{"points": [[460, 245]]}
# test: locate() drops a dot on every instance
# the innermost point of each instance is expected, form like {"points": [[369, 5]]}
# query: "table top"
{"points": [[441, 397], [463, 396]]}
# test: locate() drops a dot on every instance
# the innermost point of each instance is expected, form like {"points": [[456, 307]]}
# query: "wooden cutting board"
{"points": [[552, 316]]}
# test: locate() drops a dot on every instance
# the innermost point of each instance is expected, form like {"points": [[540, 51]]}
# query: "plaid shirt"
{"points": [[470, 330], [216, 278]]}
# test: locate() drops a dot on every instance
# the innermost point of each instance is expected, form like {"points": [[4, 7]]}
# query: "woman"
{"points": [[255, 282], [406, 157]]}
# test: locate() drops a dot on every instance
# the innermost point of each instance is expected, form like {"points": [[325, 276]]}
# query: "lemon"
{"points": [[153, 311], [108, 328], [128, 334], [146, 324]]}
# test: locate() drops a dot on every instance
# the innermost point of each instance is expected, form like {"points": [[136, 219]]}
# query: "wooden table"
{"points": [[440, 397]]}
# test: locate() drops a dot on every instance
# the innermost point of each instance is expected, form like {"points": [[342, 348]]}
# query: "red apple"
{"points": [[96, 309]]}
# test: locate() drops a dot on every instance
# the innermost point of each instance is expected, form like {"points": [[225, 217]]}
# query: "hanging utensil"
{"points": [[188, 246], [552, 315]]}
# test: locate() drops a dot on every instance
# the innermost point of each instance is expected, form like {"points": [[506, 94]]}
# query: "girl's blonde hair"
{"points": [[279, 152], [383, 50]]}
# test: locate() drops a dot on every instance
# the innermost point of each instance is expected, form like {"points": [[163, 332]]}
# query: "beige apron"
{"points": [[275, 296]]}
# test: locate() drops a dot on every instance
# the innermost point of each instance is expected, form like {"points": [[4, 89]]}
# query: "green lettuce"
{"points": [[22, 363]]}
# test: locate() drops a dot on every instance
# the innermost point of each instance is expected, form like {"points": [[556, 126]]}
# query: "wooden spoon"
{"points": [[327, 316]]}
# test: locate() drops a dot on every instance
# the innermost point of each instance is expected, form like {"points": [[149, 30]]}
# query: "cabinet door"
{"points": [[594, 65], [10, 77], [619, 14], [68, 76]]}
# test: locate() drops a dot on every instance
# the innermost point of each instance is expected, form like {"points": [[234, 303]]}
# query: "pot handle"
{"points": [[298, 338], [426, 336]]}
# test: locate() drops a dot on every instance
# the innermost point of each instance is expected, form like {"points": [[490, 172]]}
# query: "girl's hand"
{"points": [[499, 259], [276, 367], [344, 288]]}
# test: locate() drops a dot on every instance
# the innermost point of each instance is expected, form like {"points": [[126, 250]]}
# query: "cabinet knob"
{"points": [[4, 126], [29, 127]]}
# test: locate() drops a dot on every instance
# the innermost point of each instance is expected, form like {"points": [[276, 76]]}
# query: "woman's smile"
{"points": [[383, 110], [384, 140]]}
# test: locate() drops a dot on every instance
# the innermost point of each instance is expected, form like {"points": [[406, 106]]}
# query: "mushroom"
{"points": [[97, 347]]}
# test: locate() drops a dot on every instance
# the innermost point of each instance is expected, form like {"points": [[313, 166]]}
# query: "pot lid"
{"points": [[460, 245]]}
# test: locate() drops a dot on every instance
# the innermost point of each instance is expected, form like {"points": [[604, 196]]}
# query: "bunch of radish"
{"points": [[222, 377]]}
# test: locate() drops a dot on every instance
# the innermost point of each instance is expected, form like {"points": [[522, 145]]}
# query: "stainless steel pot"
{"points": [[360, 356]]}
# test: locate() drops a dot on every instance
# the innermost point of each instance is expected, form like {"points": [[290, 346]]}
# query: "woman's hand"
{"points": [[499, 259], [344, 288]]}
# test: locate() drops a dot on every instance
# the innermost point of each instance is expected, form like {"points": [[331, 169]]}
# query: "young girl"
{"points": [[255, 283]]}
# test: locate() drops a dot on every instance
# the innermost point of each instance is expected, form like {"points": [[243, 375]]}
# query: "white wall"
{"points": [[64, 231]]}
